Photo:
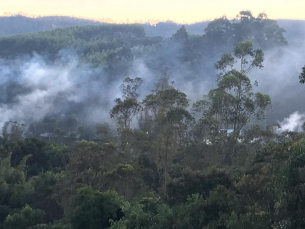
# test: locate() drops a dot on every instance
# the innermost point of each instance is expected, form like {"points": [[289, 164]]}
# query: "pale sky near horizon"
{"points": [[176, 10]]}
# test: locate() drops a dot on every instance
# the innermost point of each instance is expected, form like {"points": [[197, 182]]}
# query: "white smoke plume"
{"points": [[32, 88], [279, 79], [293, 122]]}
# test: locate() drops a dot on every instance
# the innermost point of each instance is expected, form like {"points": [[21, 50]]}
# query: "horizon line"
{"points": [[125, 21]]}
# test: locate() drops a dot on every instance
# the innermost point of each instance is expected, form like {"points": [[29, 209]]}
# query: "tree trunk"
{"points": [[165, 167]]}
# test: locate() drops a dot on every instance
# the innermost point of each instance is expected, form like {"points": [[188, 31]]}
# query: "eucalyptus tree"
{"points": [[125, 110], [264, 32], [233, 104], [222, 32], [167, 109], [130, 86]]}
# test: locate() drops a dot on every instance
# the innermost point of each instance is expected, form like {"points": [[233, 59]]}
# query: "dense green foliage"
{"points": [[248, 193], [19, 24], [86, 40]]}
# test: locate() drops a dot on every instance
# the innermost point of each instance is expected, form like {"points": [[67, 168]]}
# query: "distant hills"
{"points": [[20, 24]]}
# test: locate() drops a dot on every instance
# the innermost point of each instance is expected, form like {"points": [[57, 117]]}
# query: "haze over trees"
{"points": [[162, 156], [18, 24]]}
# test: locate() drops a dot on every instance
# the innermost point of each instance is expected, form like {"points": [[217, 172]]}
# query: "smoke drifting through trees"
{"points": [[162, 164], [279, 79], [33, 87]]}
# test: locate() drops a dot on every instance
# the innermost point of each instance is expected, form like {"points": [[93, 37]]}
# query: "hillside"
{"points": [[20, 24], [98, 44]]}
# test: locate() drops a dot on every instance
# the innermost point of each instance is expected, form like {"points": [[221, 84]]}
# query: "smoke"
{"points": [[293, 122], [279, 79], [32, 88]]}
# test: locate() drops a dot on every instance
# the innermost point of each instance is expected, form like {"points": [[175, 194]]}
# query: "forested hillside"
{"points": [[110, 45], [97, 45], [106, 126], [20, 24]]}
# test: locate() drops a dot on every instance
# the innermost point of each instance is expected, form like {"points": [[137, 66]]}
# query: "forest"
{"points": [[106, 126]]}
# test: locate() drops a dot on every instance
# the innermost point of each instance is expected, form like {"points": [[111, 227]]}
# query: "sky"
{"points": [[186, 11]]}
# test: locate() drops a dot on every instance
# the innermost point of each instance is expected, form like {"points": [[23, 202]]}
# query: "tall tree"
{"points": [[181, 36], [129, 87], [125, 110], [260, 30], [171, 120], [234, 102]]}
